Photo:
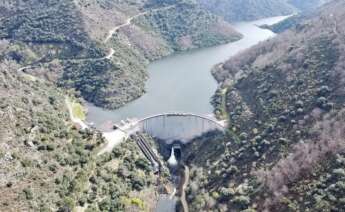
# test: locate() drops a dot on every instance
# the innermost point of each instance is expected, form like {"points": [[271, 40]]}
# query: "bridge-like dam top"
{"points": [[221, 126], [177, 126]]}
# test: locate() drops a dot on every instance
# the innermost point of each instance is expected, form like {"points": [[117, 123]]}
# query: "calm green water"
{"points": [[183, 82]]}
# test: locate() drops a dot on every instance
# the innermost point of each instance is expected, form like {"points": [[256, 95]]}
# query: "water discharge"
{"points": [[182, 83]]}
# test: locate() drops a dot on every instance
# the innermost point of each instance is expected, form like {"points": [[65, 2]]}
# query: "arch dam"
{"points": [[171, 127]]}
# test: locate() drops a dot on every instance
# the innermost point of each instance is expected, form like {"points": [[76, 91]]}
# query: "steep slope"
{"points": [[307, 10], [124, 181], [146, 36], [181, 30], [48, 164], [307, 5], [44, 158], [284, 149], [76, 44], [246, 10], [54, 25], [288, 23]]}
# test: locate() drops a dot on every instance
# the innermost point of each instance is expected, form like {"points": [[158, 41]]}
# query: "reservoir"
{"points": [[183, 82]]}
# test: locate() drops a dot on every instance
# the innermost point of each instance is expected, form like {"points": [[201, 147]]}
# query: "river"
{"points": [[183, 82]]}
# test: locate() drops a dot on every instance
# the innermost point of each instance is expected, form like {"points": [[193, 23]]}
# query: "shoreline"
{"points": [[158, 100]]}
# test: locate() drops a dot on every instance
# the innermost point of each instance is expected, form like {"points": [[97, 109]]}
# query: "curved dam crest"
{"points": [[182, 82], [178, 127]]}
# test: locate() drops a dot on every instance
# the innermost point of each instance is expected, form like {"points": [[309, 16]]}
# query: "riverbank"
{"points": [[183, 82]]}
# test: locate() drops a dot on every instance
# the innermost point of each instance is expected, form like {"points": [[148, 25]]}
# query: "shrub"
{"points": [[143, 164], [330, 133], [241, 201], [28, 194], [137, 202]]}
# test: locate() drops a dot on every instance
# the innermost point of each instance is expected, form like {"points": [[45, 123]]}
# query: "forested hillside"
{"points": [[105, 59], [44, 159], [247, 10], [307, 5], [285, 148], [49, 164], [51, 51], [307, 9]]}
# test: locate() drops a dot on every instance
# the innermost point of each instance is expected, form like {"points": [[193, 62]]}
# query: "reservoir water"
{"points": [[183, 82]]}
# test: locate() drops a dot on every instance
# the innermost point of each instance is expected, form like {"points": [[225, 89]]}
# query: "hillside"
{"points": [[51, 51], [284, 149], [307, 9], [288, 23], [48, 164], [307, 5], [248, 10], [76, 44], [43, 157]]}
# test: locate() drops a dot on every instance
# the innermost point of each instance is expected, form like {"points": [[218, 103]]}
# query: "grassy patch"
{"points": [[29, 77], [223, 112], [78, 111], [137, 202]]}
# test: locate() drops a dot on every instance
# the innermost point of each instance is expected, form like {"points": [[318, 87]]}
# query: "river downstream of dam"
{"points": [[183, 82]]}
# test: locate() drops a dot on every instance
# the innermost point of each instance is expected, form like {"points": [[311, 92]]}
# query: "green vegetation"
{"points": [[289, 23], [67, 39], [44, 157], [249, 10], [283, 151], [307, 5], [124, 180], [49, 164], [285, 144], [180, 27], [53, 24], [78, 111]]}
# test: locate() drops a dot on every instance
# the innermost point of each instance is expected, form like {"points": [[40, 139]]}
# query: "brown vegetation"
{"points": [[329, 139], [284, 100]]}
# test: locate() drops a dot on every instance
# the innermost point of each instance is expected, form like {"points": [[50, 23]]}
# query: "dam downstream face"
{"points": [[183, 83], [183, 128]]}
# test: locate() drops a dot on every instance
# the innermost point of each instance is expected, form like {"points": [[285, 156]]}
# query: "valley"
{"points": [[183, 87], [172, 105], [177, 73]]}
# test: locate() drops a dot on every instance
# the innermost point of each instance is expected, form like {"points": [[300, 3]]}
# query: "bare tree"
{"points": [[329, 140]]}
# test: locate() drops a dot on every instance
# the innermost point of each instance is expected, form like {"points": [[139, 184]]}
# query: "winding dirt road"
{"points": [[110, 34], [130, 19], [117, 136], [128, 22]]}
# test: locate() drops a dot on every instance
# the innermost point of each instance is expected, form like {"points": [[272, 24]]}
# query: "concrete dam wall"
{"points": [[181, 127]]}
